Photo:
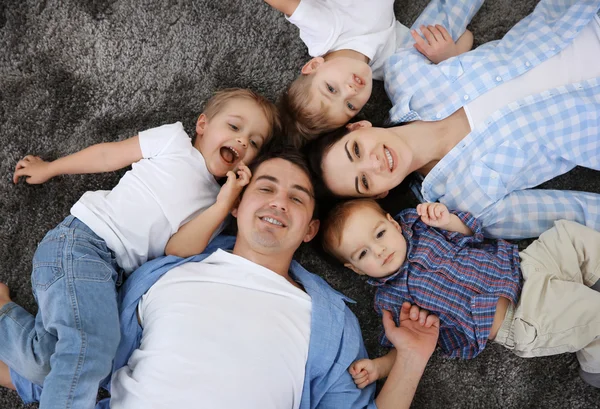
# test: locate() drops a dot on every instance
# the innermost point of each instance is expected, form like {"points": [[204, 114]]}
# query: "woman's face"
{"points": [[367, 162]]}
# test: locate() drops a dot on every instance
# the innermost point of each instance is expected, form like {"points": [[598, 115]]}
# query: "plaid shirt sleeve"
{"points": [[454, 15], [528, 213], [472, 223]]}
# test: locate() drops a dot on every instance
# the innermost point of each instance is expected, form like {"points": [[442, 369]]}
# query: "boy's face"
{"points": [[341, 85], [234, 134], [372, 244]]}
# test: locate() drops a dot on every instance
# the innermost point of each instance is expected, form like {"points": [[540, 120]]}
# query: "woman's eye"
{"points": [[330, 88], [350, 106], [380, 234], [356, 150], [232, 126], [364, 182], [362, 254], [253, 143]]}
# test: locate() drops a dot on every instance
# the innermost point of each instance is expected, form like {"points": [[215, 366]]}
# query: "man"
{"points": [[252, 328]]}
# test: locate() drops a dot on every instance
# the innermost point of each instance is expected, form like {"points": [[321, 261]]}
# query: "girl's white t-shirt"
{"points": [[222, 333], [164, 190]]}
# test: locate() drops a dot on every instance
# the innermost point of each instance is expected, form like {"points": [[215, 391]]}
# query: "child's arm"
{"points": [[287, 7], [438, 44], [437, 215], [366, 371], [193, 237], [103, 157]]}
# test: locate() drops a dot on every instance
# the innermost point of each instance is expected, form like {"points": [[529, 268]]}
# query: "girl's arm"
{"points": [[103, 157]]}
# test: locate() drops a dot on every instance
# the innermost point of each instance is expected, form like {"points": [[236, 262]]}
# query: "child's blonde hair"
{"points": [[334, 224], [301, 123], [220, 99]]}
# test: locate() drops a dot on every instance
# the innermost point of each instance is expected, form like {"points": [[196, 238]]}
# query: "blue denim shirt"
{"points": [[335, 338]]}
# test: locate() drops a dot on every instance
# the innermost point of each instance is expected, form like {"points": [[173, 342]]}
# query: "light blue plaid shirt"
{"points": [[490, 172]]}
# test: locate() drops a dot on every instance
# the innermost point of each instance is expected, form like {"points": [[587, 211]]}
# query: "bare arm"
{"points": [[287, 7], [415, 340], [103, 157], [193, 237]]}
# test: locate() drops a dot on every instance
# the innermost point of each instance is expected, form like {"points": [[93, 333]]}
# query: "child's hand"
{"points": [[437, 45], [231, 190], [34, 169], [434, 214], [364, 372]]}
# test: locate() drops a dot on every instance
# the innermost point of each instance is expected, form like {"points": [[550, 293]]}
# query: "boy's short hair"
{"points": [[220, 99], [300, 123], [333, 226]]}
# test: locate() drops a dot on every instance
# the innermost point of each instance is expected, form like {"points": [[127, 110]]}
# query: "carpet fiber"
{"points": [[76, 72]]}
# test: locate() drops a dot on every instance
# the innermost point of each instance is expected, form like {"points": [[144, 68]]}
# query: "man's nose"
{"points": [[279, 203]]}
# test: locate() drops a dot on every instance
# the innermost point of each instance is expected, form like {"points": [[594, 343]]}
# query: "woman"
{"points": [[488, 125]]}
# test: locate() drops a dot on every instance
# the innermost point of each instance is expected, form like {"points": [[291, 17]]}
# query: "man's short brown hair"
{"points": [[334, 224], [302, 124], [220, 99]]}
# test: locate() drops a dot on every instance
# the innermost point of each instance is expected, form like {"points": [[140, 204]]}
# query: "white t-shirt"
{"points": [[167, 188], [223, 333], [577, 62], [369, 27]]}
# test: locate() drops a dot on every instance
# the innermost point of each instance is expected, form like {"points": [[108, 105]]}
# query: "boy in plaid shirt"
{"points": [[541, 301]]}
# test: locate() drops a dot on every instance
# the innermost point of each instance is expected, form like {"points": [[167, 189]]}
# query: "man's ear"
{"points": [[356, 270], [312, 230], [381, 195], [200, 125], [312, 65], [234, 211], [393, 221], [358, 125]]}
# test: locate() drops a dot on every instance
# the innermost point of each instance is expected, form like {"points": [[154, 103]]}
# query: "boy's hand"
{"points": [[34, 169], [418, 331], [437, 45], [364, 372], [434, 214], [231, 190]]}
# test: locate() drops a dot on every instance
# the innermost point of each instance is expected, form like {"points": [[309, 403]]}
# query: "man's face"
{"points": [[235, 134], [372, 244], [275, 212], [342, 86]]}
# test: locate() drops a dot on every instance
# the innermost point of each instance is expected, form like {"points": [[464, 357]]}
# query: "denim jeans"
{"points": [[68, 347]]}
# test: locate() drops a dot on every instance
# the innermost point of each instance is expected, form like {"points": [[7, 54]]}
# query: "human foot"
{"points": [[4, 295]]}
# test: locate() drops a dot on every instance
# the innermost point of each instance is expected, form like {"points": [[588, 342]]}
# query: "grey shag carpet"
{"points": [[78, 72]]}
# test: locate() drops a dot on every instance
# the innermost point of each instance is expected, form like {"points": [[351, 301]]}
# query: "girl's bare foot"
{"points": [[4, 295], [5, 377]]}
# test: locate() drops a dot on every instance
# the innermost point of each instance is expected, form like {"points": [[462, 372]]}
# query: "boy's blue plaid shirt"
{"points": [[524, 144], [458, 278]]}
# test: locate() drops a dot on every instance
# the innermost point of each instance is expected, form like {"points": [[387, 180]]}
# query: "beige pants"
{"points": [[557, 311]]}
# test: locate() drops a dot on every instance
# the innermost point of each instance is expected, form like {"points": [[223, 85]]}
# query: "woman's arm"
{"points": [[528, 213]]}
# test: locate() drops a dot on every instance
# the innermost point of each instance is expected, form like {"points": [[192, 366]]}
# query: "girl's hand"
{"points": [[34, 169]]}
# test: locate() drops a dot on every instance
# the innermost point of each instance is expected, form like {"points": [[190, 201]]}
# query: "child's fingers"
{"points": [[431, 212], [404, 311], [414, 312], [443, 32], [364, 383], [432, 320], [362, 379], [439, 210], [428, 35], [423, 316]]}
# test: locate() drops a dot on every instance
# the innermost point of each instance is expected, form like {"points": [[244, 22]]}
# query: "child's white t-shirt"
{"points": [[222, 333], [164, 190], [369, 27]]}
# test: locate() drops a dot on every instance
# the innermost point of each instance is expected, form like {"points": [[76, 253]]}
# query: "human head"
{"points": [[326, 95], [277, 210], [365, 238], [235, 125], [360, 160]]}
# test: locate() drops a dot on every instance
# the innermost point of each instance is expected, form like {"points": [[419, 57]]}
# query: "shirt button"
{"points": [[498, 78], [494, 176], [466, 97], [552, 48], [438, 116], [527, 64]]}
